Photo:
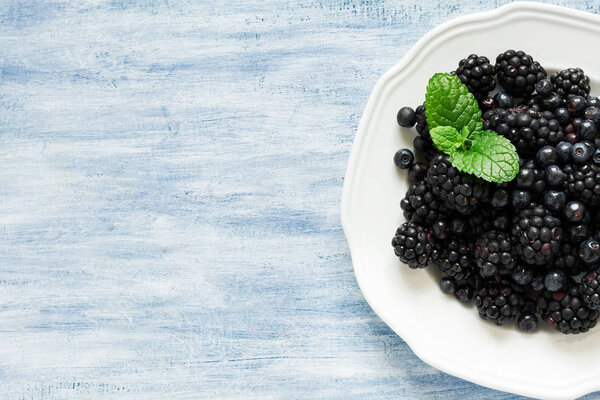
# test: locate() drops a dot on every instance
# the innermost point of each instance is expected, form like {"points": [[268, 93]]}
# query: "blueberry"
{"points": [[537, 283], [553, 101], [593, 114], [575, 211], [520, 198], [406, 117], [581, 153], [422, 144], [522, 275], [448, 285], [504, 100], [499, 199], [555, 280], [576, 104], [554, 175], [404, 158], [544, 87], [596, 157], [527, 322], [563, 150], [526, 178], [593, 102], [590, 251], [562, 115], [587, 130], [417, 172], [547, 155], [555, 200]]}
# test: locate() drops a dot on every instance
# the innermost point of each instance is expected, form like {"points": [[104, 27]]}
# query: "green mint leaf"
{"points": [[491, 157], [449, 103], [446, 138]]}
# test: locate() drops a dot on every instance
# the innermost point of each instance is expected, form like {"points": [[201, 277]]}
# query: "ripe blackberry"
{"points": [[531, 178], [457, 190], [479, 222], [493, 253], [583, 182], [477, 74], [420, 205], [497, 302], [566, 310], [518, 73], [455, 259], [528, 129], [589, 287], [567, 259], [571, 81], [537, 234], [413, 245], [422, 127]]}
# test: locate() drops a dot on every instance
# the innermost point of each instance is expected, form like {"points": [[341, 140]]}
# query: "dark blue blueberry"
{"points": [[555, 200], [504, 100], [527, 322], [554, 175], [596, 157], [593, 102], [575, 212], [547, 155], [590, 251], [448, 285], [581, 153], [404, 158], [555, 280], [406, 117], [563, 150], [593, 114], [587, 130], [553, 101], [544, 87], [576, 104]]}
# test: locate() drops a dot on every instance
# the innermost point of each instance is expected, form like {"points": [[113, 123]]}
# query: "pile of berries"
{"points": [[526, 250]]}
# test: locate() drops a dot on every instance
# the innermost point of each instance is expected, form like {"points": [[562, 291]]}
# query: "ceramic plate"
{"points": [[440, 330]]}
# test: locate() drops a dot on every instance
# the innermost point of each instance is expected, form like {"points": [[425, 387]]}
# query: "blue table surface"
{"points": [[170, 182]]}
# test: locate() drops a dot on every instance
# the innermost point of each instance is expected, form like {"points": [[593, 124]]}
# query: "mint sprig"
{"points": [[454, 120]]}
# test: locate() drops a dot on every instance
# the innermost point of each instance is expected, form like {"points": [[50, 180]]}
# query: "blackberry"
{"points": [[571, 81], [537, 234], [480, 222], [448, 285], [583, 182], [457, 190], [497, 302], [477, 74], [528, 129], [493, 253], [566, 310], [531, 178], [413, 245], [589, 287], [567, 259], [518, 73], [455, 259], [421, 121], [420, 205]]}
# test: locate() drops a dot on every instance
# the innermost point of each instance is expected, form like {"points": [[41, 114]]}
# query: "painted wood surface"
{"points": [[170, 184]]}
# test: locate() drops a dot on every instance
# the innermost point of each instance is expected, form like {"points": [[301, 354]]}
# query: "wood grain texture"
{"points": [[171, 180]]}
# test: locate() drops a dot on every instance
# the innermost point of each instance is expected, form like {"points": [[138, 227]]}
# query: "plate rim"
{"points": [[565, 388]]}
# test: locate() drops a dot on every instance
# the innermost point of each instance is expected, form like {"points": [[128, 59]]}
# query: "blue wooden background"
{"points": [[170, 184]]}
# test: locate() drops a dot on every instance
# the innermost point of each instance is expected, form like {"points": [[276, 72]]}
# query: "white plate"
{"points": [[440, 330]]}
